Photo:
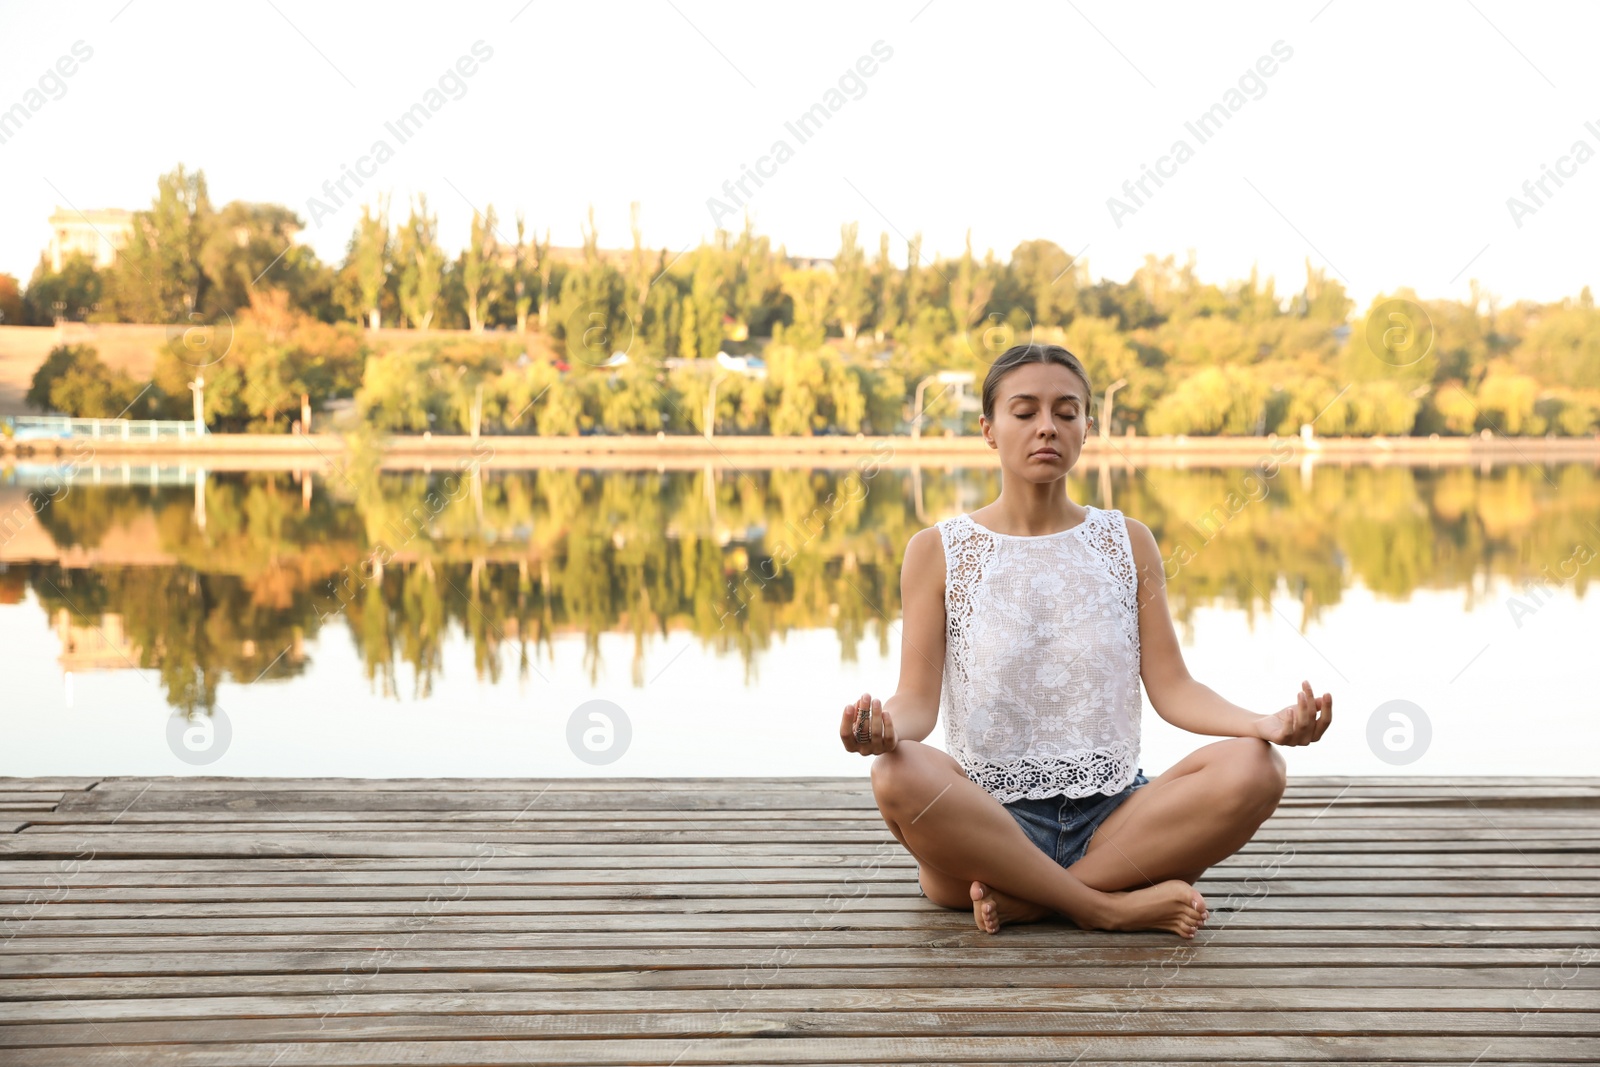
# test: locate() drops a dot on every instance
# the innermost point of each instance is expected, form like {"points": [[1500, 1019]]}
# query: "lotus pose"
{"points": [[1030, 623]]}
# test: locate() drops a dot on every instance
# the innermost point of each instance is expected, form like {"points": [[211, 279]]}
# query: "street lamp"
{"points": [[1105, 406], [199, 388], [711, 405], [944, 377]]}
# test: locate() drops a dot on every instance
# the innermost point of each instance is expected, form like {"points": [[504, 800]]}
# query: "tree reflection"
{"points": [[736, 560]]}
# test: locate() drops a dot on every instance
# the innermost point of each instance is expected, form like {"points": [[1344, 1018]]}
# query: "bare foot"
{"points": [[993, 909], [1174, 906]]}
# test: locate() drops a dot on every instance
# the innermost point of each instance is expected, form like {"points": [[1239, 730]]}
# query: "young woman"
{"points": [[1030, 622]]}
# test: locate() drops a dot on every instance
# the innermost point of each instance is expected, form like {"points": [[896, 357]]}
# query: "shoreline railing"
{"points": [[63, 427]]}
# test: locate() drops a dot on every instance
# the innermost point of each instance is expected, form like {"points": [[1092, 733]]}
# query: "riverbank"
{"points": [[313, 451]]}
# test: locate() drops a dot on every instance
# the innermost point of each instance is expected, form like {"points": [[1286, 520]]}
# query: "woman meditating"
{"points": [[1030, 622]]}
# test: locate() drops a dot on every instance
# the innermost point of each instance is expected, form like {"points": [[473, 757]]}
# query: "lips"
{"points": [[1048, 453]]}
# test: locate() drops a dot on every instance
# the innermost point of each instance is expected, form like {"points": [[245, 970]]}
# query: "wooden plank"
{"points": [[528, 799], [402, 823], [1463, 893], [1316, 864], [31, 845], [808, 820], [427, 936], [1397, 785], [908, 999], [1438, 926], [628, 798], [400, 957], [1544, 887], [868, 1048], [881, 866], [804, 896], [814, 1025], [63, 917], [1510, 979], [707, 815], [505, 864], [171, 850], [47, 784]]}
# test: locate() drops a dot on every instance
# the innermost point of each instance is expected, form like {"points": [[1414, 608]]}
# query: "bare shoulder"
{"points": [[1146, 554]]}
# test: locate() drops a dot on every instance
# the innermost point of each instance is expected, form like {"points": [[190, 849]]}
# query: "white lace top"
{"points": [[1041, 672]]}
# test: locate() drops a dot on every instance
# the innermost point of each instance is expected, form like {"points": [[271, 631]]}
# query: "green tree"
{"points": [[1369, 408], [159, 275], [636, 281], [851, 298], [630, 400], [1215, 400], [706, 294], [401, 391], [277, 360], [74, 290], [758, 284], [886, 292], [1563, 347], [1506, 401], [369, 254], [1109, 358], [246, 245], [421, 265], [74, 380], [480, 269], [815, 388], [546, 265], [970, 291], [522, 276], [1323, 299], [811, 292], [592, 311], [1042, 274], [913, 280]]}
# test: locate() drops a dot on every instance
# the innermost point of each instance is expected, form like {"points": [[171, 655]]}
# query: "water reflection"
{"points": [[233, 577]]}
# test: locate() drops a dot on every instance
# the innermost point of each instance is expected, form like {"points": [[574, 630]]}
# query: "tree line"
{"points": [[515, 336]]}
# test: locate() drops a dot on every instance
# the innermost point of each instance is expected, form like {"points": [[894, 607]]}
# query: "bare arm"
{"points": [[915, 704], [913, 711], [1188, 703]]}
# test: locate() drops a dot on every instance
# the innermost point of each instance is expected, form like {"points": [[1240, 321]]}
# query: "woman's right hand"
{"points": [[883, 739]]}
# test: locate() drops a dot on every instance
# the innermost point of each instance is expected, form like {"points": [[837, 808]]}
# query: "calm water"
{"points": [[154, 621]]}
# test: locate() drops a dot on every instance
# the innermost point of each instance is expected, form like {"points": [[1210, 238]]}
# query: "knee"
{"points": [[897, 772], [1257, 774]]}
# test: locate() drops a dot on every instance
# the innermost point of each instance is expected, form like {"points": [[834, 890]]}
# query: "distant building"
{"points": [[97, 234], [99, 646]]}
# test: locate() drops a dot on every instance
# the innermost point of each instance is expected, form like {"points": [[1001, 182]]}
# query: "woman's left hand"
{"points": [[1301, 723]]}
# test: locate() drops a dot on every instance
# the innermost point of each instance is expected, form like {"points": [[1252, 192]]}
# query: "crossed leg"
{"points": [[1138, 870]]}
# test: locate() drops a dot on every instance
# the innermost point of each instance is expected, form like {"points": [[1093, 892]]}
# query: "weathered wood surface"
{"points": [[215, 921]]}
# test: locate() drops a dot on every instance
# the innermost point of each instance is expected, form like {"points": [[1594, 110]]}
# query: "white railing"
{"points": [[59, 427], [51, 476]]}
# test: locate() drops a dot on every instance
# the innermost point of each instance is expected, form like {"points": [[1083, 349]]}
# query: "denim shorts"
{"points": [[1062, 826]]}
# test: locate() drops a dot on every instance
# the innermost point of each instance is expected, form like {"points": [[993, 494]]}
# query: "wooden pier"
{"points": [[270, 921]]}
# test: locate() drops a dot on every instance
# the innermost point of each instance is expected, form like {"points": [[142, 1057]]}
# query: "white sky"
{"points": [[1384, 149]]}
